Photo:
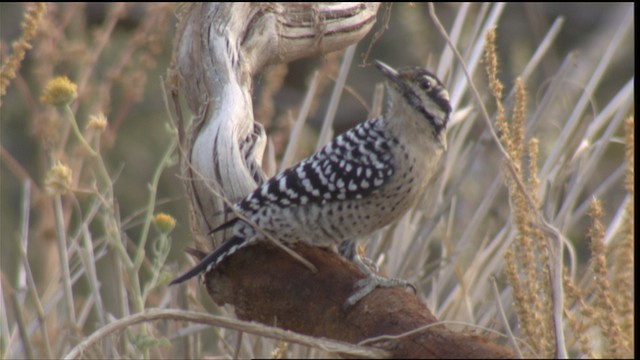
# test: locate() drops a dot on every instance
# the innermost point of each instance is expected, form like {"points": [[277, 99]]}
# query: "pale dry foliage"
{"points": [[527, 260], [88, 261]]}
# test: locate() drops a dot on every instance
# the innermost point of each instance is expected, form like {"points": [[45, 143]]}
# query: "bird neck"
{"points": [[416, 131]]}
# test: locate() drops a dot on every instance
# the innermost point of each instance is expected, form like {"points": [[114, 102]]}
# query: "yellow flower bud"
{"points": [[97, 122], [164, 222], [59, 91], [58, 179]]}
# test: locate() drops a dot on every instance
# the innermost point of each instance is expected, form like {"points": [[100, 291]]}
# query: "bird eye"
{"points": [[425, 83]]}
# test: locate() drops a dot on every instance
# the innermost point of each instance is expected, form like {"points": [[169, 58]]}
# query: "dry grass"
{"points": [[85, 203]]}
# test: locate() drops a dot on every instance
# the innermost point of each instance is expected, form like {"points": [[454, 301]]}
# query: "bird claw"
{"points": [[372, 280], [369, 264], [368, 284]]}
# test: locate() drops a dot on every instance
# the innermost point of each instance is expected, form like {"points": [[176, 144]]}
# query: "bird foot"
{"points": [[372, 281], [368, 284]]}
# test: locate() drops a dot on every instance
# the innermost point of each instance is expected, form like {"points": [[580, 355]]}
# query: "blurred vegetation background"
{"points": [[117, 55]]}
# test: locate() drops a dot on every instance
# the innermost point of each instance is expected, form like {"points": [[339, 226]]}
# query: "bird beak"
{"points": [[390, 73]]}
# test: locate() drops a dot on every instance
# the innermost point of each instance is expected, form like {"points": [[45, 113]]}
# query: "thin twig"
{"points": [[327, 125], [219, 321], [290, 152], [427, 327], [31, 284], [503, 316], [236, 353], [22, 327], [61, 240]]}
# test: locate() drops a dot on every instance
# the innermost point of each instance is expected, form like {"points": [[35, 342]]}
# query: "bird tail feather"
{"points": [[214, 258]]}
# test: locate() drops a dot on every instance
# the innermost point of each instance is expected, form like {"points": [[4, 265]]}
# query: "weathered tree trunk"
{"points": [[219, 47]]}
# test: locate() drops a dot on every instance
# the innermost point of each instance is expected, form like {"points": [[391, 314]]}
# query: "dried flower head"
{"points": [[59, 91], [164, 222], [11, 64], [97, 122], [58, 179]]}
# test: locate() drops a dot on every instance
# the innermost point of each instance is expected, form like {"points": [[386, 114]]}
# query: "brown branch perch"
{"points": [[218, 49]]}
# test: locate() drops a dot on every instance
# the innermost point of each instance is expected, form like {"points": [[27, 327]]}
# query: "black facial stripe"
{"points": [[416, 103], [438, 127], [436, 87], [443, 103]]}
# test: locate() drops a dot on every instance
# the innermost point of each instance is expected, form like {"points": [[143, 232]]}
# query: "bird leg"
{"points": [[372, 280]]}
